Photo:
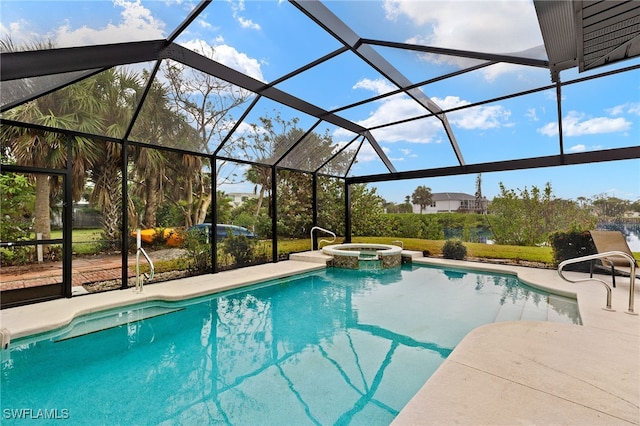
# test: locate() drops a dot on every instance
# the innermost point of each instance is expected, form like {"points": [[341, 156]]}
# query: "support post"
{"points": [[39, 251], [67, 223], [214, 215], [347, 212], [314, 209], [124, 237], [274, 214]]}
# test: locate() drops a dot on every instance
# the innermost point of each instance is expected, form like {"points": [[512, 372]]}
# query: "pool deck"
{"points": [[500, 374]]}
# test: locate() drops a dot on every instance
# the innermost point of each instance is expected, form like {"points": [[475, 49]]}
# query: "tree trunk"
{"points": [[112, 213], [259, 203], [42, 222], [189, 210], [203, 207], [112, 219], [151, 209]]}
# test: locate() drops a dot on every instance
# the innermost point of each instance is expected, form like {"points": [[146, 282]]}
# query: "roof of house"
{"points": [[444, 196]]}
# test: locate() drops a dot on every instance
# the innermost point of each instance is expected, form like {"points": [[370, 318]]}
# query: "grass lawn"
{"points": [[86, 241], [487, 251]]}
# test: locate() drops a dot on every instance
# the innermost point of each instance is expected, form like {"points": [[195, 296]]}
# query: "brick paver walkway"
{"points": [[84, 271]]}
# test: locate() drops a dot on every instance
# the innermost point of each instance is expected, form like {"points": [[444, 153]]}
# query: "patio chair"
{"points": [[606, 241]]}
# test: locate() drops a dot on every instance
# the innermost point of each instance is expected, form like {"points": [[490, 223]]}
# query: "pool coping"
{"points": [[526, 372], [501, 373], [38, 318]]}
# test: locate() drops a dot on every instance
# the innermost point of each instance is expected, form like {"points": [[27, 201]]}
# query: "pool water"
{"points": [[331, 347]]}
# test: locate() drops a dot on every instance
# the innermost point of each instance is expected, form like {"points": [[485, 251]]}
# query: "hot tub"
{"points": [[363, 255]]}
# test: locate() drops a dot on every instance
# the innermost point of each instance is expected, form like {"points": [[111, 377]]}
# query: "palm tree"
{"points": [[70, 108], [422, 197], [118, 92]]}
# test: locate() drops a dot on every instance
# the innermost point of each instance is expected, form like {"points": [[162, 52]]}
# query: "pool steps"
{"points": [[317, 256], [5, 338], [530, 310]]}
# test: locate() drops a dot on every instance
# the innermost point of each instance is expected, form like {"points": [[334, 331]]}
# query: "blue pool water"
{"points": [[333, 347]]}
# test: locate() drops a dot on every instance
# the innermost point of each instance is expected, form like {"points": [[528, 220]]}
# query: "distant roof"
{"points": [[444, 196]]}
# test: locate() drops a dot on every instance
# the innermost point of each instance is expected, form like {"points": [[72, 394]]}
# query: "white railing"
{"points": [[632, 274], [317, 228], [141, 278]]}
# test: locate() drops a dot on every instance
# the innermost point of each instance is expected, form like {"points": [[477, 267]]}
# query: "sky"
{"points": [[268, 39]]}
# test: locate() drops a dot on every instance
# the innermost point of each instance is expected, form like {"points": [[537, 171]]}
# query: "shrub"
{"points": [[409, 226], [17, 255], [569, 245], [454, 249], [241, 248], [198, 252], [168, 265]]}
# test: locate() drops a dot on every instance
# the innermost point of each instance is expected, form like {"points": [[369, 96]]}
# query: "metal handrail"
{"points": [[398, 241], [317, 228], [632, 264], [149, 276]]}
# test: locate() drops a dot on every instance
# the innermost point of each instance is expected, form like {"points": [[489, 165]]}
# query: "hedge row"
{"points": [[438, 226]]}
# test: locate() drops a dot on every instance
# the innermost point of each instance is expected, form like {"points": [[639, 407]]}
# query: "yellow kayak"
{"points": [[171, 236]]}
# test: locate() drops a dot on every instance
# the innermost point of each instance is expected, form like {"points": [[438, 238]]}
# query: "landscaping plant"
{"points": [[454, 249]]}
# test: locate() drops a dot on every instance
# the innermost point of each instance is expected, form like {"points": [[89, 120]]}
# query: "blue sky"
{"points": [[268, 39]]}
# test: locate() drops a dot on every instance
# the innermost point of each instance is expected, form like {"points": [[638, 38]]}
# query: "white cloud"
{"points": [[471, 25], [576, 124], [532, 114], [378, 86], [423, 131], [481, 117], [627, 108], [488, 117], [399, 107], [228, 56], [137, 24], [396, 108], [492, 72], [549, 129], [204, 24], [237, 8], [248, 23], [573, 126], [582, 148], [19, 33], [368, 154]]}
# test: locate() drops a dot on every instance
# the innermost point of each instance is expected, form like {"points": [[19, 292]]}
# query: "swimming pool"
{"points": [[330, 347]]}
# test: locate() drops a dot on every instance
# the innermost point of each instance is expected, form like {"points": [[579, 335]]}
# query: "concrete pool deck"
{"points": [[503, 373], [540, 372]]}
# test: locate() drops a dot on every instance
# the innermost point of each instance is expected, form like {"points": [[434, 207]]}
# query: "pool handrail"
{"points": [[317, 228], [632, 275], [398, 241], [149, 276]]}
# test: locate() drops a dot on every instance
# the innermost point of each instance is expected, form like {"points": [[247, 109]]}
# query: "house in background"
{"points": [[238, 198], [449, 202]]}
